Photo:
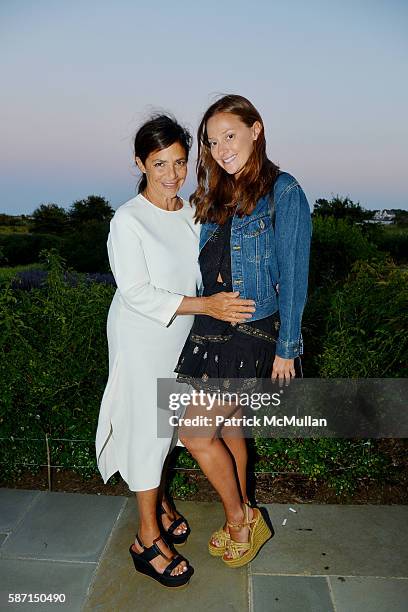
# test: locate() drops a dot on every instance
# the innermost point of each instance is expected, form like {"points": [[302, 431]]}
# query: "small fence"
{"points": [[47, 449]]}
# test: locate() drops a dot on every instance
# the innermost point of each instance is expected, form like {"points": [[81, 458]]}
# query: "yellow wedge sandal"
{"points": [[223, 538], [259, 533]]}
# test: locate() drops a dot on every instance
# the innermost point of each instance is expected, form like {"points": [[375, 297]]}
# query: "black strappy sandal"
{"points": [[142, 565], [169, 535]]}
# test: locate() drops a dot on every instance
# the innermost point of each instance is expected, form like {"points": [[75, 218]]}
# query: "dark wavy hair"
{"points": [[218, 192], [159, 132]]}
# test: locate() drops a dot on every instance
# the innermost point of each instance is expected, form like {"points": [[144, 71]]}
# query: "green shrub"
{"points": [[336, 245], [180, 486], [54, 367], [22, 249], [393, 241], [338, 462], [85, 248], [54, 362], [185, 460], [367, 322]]}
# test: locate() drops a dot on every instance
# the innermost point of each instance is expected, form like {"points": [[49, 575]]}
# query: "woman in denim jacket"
{"points": [[254, 241]]}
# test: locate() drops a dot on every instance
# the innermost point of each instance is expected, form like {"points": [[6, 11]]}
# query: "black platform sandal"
{"points": [[169, 535], [142, 565]]}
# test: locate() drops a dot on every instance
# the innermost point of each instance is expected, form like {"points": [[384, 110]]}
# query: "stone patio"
{"points": [[325, 558]]}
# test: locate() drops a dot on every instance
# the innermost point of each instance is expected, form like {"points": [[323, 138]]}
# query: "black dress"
{"points": [[216, 349]]}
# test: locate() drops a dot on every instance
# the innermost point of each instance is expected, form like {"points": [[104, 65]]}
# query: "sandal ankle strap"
{"points": [[246, 522], [150, 552], [241, 525], [139, 541]]}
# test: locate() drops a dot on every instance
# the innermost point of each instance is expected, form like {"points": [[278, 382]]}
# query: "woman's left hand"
{"points": [[283, 370]]}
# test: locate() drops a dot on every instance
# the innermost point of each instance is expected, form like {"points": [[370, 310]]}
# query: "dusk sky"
{"points": [[78, 77]]}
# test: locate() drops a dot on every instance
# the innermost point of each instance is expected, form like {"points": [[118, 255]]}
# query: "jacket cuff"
{"points": [[289, 350]]}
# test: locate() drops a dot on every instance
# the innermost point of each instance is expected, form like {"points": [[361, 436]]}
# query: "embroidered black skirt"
{"points": [[246, 353]]}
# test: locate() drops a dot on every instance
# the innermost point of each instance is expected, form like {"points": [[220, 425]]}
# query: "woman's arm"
{"points": [[129, 267], [223, 306], [293, 230]]}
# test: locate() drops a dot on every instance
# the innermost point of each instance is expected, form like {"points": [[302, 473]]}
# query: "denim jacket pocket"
{"points": [[257, 239]]}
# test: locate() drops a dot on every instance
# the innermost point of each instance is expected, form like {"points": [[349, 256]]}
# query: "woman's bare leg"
{"points": [[169, 518], [171, 514], [236, 443], [238, 449], [217, 464], [149, 530]]}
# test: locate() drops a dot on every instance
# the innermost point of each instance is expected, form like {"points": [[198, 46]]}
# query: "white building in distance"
{"points": [[383, 216]]}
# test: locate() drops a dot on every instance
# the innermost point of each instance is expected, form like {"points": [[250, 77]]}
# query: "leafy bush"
{"points": [[180, 486], [79, 235], [53, 362], [338, 462], [336, 245], [367, 324], [394, 241], [85, 248], [21, 249], [54, 367]]}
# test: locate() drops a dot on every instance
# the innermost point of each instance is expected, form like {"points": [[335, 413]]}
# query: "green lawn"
{"points": [[396, 229], [14, 229]]}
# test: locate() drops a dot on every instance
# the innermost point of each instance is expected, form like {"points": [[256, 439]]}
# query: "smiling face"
{"points": [[165, 170], [231, 142]]}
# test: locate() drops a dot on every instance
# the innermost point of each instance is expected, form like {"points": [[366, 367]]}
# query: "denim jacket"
{"points": [[263, 257]]}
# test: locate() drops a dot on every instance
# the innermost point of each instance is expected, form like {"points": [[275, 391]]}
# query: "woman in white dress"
{"points": [[153, 253]]}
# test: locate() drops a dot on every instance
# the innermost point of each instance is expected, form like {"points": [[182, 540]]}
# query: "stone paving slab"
{"points": [[332, 539], [290, 594], [26, 576], [369, 594], [64, 527], [327, 557], [214, 586], [14, 503]]}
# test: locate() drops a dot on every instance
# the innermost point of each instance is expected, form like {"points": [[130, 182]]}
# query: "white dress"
{"points": [[153, 254]]}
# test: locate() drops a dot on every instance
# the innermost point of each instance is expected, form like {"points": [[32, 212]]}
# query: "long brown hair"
{"points": [[218, 192]]}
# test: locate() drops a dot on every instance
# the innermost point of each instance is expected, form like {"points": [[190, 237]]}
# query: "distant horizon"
{"points": [[79, 79], [185, 194]]}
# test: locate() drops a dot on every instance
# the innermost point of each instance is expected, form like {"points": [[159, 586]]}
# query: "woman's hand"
{"points": [[227, 306], [283, 370]]}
